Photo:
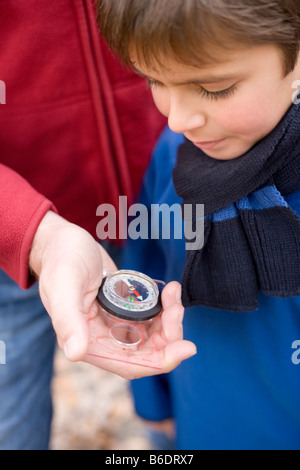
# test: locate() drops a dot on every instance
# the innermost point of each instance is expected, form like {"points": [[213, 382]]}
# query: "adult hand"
{"points": [[160, 353], [69, 264]]}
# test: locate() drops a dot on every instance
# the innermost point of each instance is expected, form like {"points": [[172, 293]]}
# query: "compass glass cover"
{"points": [[131, 290]]}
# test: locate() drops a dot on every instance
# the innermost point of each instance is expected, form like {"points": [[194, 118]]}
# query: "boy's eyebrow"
{"points": [[203, 80]]}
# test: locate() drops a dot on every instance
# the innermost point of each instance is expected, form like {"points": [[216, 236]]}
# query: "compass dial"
{"points": [[129, 294]]}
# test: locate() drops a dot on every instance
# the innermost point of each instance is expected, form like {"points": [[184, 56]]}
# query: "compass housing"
{"points": [[119, 296]]}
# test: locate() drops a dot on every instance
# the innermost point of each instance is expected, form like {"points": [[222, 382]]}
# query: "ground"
{"points": [[93, 410]]}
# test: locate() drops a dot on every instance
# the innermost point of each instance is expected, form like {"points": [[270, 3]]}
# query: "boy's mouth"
{"points": [[209, 144]]}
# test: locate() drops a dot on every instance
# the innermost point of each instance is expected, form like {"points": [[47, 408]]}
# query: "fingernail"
{"points": [[71, 347], [178, 295]]}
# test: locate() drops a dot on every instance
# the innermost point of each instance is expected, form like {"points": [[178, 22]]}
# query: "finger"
{"points": [[71, 328], [171, 294], [176, 352], [171, 320], [108, 263], [173, 312]]}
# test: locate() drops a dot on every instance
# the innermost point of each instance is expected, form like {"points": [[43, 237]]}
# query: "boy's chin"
{"points": [[229, 153]]}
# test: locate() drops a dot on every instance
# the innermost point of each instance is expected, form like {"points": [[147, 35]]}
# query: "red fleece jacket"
{"points": [[77, 129]]}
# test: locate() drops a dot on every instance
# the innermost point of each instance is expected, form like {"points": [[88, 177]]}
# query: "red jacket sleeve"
{"points": [[21, 211]]}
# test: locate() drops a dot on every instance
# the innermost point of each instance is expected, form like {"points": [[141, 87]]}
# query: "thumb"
{"points": [[71, 326], [77, 339], [70, 308]]}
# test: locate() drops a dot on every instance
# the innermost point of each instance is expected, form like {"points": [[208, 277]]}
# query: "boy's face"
{"points": [[225, 107]]}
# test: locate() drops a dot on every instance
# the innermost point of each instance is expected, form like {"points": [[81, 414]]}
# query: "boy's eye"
{"points": [[214, 95]]}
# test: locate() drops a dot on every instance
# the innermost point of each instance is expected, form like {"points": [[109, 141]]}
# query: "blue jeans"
{"points": [[26, 367]]}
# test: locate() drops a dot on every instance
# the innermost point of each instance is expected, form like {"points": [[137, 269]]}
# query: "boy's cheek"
{"points": [[246, 119], [161, 102]]}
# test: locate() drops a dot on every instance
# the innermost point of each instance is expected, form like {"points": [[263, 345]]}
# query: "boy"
{"points": [[224, 73]]}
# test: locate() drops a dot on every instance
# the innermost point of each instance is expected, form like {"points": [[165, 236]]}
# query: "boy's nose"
{"points": [[181, 120]]}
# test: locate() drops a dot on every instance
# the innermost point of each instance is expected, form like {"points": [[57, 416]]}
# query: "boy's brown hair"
{"points": [[186, 28]]}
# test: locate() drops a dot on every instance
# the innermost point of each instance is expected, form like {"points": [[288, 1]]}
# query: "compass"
{"points": [[130, 295]]}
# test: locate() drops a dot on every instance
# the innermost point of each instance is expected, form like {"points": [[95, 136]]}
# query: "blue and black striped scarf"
{"points": [[251, 234]]}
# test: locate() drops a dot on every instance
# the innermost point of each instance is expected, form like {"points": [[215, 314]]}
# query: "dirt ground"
{"points": [[93, 410]]}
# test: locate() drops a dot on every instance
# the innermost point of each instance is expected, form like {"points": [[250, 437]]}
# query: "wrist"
{"points": [[48, 226]]}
